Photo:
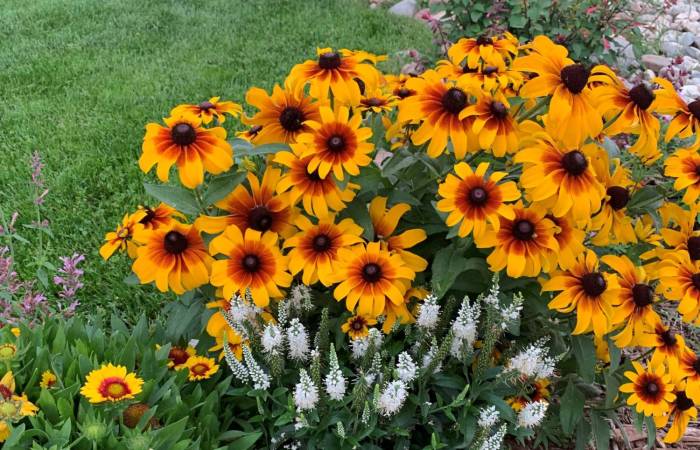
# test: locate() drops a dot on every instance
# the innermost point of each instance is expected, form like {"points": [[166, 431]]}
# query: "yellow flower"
{"points": [[684, 166], [7, 351], [201, 368], [48, 379], [209, 109], [484, 50], [650, 390], [356, 326], [178, 356], [111, 383], [16, 331], [4, 431], [121, 238]]}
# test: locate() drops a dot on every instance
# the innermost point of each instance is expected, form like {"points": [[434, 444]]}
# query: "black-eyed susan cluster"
{"points": [[526, 163]]}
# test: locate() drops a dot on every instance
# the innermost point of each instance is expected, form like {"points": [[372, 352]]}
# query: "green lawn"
{"points": [[80, 79]]}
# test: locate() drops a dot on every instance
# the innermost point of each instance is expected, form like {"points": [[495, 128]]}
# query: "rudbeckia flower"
{"points": [[337, 144], [174, 257], [668, 346], [377, 101], [356, 326], [680, 281], [522, 244], [368, 276], [635, 305], [336, 71], [399, 312], [484, 50], [689, 370], [537, 390], [587, 290], [684, 166], [209, 109], [314, 250], [559, 177], [491, 78], [396, 84], [494, 124], [651, 391], [475, 199], [612, 223], [158, 217], [438, 106], [281, 115], [253, 262], [385, 221], [630, 110], [681, 412], [571, 109], [122, 238], [319, 196], [569, 243], [258, 209], [183, 141], [217, 327], [111, 383], [250, 134], [201, 368], [686, 116]]}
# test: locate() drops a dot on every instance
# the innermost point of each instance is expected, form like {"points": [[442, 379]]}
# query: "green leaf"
{"points": [[357, 211], [517, 21], [177, 197], [571, 408], [447, 265], [245, 441], [221, 186], [265, 149], [583, 435], [584, 352], [601, 431]]}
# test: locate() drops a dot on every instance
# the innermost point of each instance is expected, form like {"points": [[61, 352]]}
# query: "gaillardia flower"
{"points": [[337, 144], [314, 250], [201, 368], [48, 380], [259, 209], [174, 257], [651, 391], [571, 109], [209, 109], [282, 114], [253, 262], [522, 244], [184, 142], [319, 196], [178, 356], [368, 276], [559, 177], [356, 326], [475, 199], [438, 106], [587, 290], [111, 384], [337, 71], [385, 221], [635, 305]]}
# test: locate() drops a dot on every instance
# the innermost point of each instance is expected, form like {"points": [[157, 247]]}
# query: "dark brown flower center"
{"points": [[260, 218], [358, 323], [251, 263], [683, 402], [641, 96], [619, 197], [178, 355], [329, 60], [321, 243], [133, 413], [643, 295], [575, 77], [467, 69], [371, 272], [499, 110], [669, 338], [175, 242], [695, 278], [478, 196], [651, 388], [574, 162], [523, 230], [292, 119], [361, 85], [403, 92], [150, 215], [454, 100], [204, 106], [489, 70], [593, 284], [336, 143], [694, 108], [374, 101], [484, 40], [5, 392], [313, 176], [694, 247], [254, 130], [183, 134], [696, 365]]}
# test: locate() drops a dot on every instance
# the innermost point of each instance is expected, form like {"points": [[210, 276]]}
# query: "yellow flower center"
{"points": [[199, 369]]}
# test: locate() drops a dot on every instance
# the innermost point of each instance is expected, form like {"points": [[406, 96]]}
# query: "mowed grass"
{"points": [[80, 79]]}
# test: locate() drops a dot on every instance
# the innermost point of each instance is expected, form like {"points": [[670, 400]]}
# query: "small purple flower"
{"points": [[69, 276]]}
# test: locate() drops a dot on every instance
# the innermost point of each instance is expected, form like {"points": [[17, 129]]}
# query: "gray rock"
{"points": [[686, 39], [688, 15], [655, 62], [670, 36], [677, 9], [672, 48], [406, 8], [690, 92], [693, 52]]}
